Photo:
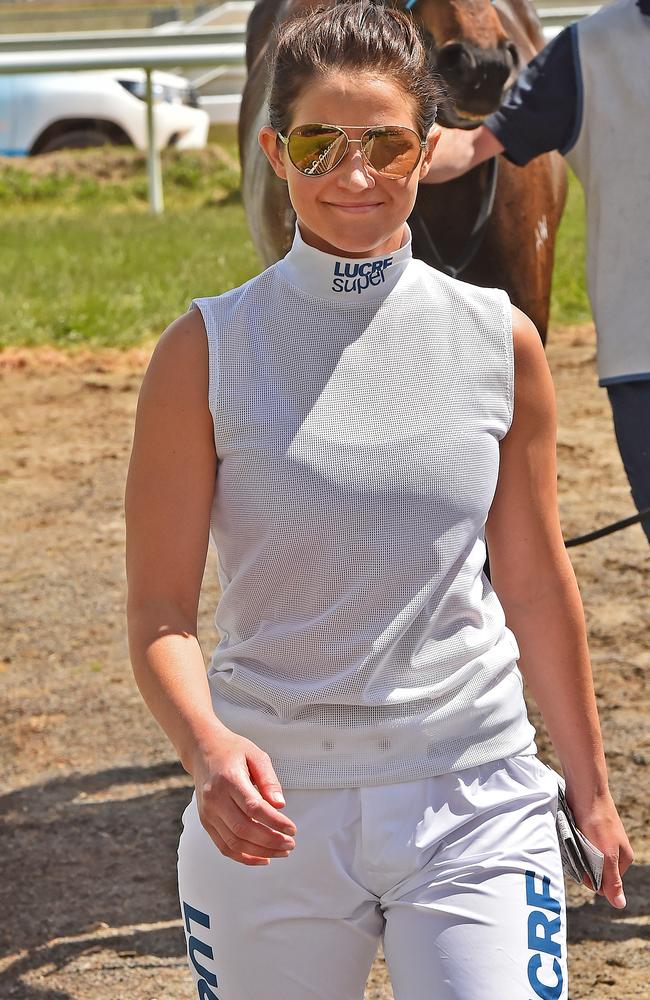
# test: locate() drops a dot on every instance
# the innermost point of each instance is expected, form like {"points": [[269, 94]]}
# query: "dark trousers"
{"points": [[630, 402]]}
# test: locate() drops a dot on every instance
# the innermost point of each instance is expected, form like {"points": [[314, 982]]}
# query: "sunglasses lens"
{"points": [[315, 149], [392, 150]]}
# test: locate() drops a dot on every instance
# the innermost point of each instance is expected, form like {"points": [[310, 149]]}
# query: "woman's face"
{"points": [[351, 210]]}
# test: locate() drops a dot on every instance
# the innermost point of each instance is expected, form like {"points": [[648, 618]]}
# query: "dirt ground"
{"points": [[90, 794]]}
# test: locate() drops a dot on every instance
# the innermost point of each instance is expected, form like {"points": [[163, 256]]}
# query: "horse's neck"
{"points": [[261, 23]]}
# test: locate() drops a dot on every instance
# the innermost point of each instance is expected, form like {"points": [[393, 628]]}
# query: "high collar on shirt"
{"points": [[344, 279]]}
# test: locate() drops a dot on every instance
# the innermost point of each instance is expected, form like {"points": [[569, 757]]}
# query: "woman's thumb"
{"points": [[615, 893], [265, 778]]}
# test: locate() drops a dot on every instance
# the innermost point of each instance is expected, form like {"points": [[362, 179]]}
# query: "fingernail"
{"points": [[620, 900]]}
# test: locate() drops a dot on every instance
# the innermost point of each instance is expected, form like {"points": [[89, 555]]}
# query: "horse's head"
{"points": [[472, 53]]}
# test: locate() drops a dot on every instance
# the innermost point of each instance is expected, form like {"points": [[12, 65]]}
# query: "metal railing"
{"points": [[15, 17], [116, 50]]}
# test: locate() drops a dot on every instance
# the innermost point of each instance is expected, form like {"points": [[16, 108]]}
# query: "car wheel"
{"points": [[76, 139]]}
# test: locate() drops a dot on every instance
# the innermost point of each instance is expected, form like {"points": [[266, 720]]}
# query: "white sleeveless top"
{"points": [[358, 407], [611, 159]]}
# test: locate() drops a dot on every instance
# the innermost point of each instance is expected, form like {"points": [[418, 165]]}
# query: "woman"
{"points": [[343, 424]]}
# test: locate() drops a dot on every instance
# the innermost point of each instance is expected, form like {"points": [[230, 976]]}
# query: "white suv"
{"points": [[41, 112]]}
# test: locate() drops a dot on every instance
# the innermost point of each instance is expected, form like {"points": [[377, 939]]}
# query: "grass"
{"points": [[569, 301], [85, 264], [114, 279]]}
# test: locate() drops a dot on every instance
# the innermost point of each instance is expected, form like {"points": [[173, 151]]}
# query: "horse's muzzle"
{"points": [[477, 77]]}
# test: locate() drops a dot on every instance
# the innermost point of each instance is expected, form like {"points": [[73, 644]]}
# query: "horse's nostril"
{"points": [[456, 60]]}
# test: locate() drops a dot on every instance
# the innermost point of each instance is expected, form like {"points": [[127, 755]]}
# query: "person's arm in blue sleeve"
{"points": [[541, 112]]}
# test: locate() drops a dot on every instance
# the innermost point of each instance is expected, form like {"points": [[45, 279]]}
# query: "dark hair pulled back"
{"points": [[354, 35]]}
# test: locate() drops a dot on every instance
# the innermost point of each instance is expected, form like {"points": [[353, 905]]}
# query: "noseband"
{"points": [[476, 236]]}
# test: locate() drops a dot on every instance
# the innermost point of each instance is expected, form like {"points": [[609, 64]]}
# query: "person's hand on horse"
{"points": [[597, 817], [458, 151], [235, 786]]}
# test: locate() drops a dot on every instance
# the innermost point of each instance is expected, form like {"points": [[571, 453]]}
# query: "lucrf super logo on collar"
{"points": [[351, 277]]}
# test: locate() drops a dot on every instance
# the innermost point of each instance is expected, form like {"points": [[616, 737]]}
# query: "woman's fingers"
{"points": [[244, 851], [244, 858], [616, 864], [244, 834], [612, 885], [236, 833]]}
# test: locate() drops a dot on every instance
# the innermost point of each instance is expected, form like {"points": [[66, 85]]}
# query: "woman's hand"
{"points": [[601, 824], [237, 814]]}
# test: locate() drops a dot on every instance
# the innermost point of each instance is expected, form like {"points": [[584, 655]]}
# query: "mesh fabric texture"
{"points": [[358, 444]]}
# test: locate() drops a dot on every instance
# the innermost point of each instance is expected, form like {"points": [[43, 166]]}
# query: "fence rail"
{"points": [[144, 56], [15, 18], [126, 38]]}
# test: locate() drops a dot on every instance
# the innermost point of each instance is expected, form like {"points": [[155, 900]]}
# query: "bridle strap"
{"points": [[478, 230]]}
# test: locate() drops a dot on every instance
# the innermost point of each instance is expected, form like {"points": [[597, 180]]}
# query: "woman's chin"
{"points": [[357, 240]]}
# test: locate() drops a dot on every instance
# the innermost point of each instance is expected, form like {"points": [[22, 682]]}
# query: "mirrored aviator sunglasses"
{"points": [[391, 150]]}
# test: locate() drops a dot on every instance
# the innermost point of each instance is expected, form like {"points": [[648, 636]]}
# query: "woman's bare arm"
{"points": [[169, 492], [459, 150], [168, 496], [532, 574]]}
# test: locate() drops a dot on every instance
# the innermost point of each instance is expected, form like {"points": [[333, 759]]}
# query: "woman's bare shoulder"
{"points": [[534, 393], [185, 338], [179, 362], [526, 339]]}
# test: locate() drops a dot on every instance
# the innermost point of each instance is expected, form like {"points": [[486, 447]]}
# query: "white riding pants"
{"points": [[458, 875]]}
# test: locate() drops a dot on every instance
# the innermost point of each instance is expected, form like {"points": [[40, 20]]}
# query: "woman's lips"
{"points": [[355, 209]]}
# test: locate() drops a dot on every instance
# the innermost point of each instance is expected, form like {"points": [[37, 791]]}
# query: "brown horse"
{"points": [[491, 228]]}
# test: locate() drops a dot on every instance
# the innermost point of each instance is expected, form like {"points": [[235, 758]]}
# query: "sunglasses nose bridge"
{"points": [[364, 141], [364, 161]]}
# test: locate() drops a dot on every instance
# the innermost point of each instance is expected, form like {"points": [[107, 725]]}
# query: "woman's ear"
{"points": [[273, 150], [432, 141]]}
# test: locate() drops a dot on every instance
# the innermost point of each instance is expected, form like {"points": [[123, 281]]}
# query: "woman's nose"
{"points": [[353, 170]]}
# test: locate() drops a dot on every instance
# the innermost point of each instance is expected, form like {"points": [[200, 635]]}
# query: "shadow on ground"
{"points": [[598, 921], [85, 854]]}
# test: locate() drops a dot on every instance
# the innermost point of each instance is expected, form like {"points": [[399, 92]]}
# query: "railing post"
{"points": [[154, 172]]}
